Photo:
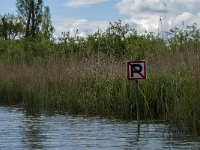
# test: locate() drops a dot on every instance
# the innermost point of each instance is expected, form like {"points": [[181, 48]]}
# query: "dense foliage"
{"points": [[87, 74]]}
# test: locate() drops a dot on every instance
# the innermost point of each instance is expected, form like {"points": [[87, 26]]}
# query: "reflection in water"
{"points": [[32, 134], [24, 131]]}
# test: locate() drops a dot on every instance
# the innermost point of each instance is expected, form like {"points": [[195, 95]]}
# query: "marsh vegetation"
{"points": [[87, 75]]}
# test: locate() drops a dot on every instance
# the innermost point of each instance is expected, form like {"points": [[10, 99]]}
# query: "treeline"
{"points": [[33, 20], [117, 41], [30, 33]]}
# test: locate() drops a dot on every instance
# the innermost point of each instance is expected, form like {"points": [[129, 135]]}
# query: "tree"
{"points": [[116, 34], [30, 11], [47, 28], [10, 27]]}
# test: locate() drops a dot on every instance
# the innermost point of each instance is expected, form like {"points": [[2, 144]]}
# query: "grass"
{"points": [[99, 87], [88, 75]]}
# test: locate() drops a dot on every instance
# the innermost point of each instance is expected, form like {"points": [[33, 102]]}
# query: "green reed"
{"points": [[48, 78], [171, 96]]}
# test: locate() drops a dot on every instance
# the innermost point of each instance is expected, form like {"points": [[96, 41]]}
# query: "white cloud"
{"points": [[82, 3], [146, 14], [84, 26], [134, 7], [183, 18]]}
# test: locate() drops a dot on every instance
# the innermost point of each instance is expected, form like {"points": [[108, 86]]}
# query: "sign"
{"points": [[136, 70]]}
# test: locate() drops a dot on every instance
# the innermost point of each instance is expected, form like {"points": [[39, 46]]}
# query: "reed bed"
{"points": [[96, 86], [88, 75]]}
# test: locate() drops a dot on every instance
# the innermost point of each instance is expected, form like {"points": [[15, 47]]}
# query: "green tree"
{"points": [[47, 28], [31, 12], [10, 27], [116, 35]]}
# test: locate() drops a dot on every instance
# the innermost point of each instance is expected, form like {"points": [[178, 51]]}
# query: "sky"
{"points": [[90, 15]]}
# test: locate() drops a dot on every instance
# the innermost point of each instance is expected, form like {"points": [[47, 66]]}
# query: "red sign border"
{"points": [[128, 71]]}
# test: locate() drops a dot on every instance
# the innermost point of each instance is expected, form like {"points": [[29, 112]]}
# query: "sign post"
{"points": [[136, 70]]}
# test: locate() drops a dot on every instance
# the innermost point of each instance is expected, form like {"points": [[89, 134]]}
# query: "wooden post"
{"points": [[137, 103]]}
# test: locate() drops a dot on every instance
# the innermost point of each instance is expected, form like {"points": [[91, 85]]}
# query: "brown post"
{"points": [[137, 102]]}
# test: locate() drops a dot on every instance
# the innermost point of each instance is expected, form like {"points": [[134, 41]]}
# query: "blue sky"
{"points": [[144, 15]]}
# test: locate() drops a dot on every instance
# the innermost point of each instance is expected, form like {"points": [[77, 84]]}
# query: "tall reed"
{"points": [[99, 87], [81, 76]]}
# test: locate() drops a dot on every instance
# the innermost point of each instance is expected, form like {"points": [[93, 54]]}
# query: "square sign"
{"points": [[136, 70]]}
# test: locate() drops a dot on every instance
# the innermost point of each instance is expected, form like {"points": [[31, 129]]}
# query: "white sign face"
{"points": [[136, 70]]}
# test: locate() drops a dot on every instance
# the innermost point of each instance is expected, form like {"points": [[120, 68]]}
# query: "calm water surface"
{"points": [[19, 130]]}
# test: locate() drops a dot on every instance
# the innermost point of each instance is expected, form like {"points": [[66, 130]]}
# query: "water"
{"points": [[19, 131]]}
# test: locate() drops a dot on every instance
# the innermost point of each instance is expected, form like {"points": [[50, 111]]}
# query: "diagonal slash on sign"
{"points": [[135, 69]]}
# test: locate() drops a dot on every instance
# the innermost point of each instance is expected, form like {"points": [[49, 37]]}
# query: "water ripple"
{"points": [[56, 132]]}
